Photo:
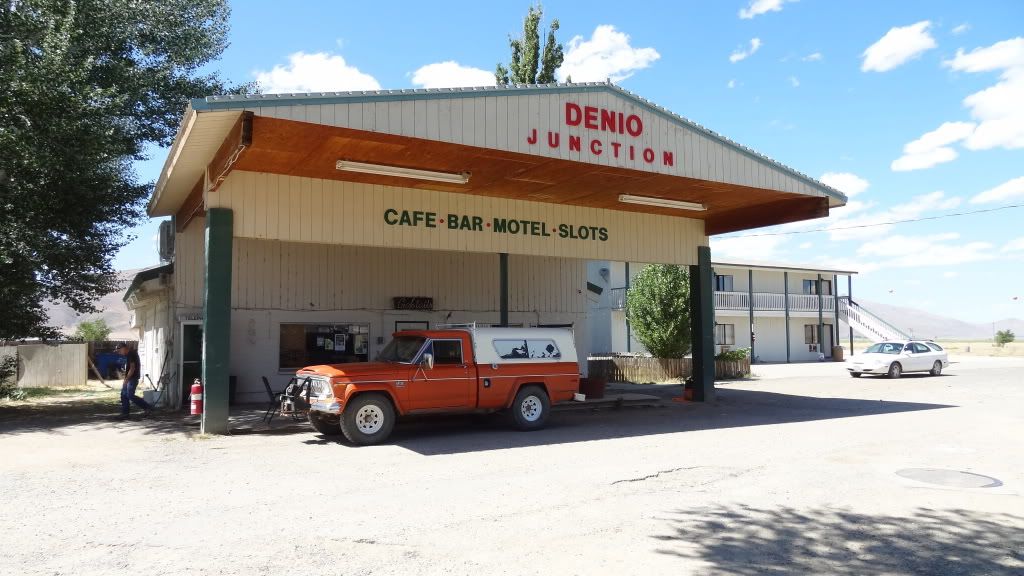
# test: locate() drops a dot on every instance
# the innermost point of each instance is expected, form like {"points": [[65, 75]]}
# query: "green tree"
{"points": [[529, 64], [1004, 337], [85, 87], [658, 309], [92, 331]]}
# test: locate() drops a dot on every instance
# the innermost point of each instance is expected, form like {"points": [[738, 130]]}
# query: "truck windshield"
{"points": [[402, 349]]}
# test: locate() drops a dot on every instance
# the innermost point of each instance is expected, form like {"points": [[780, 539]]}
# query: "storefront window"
{"points": [[311, 344]]}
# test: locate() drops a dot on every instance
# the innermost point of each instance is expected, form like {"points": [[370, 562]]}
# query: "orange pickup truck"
{"points": [[450, 370]]}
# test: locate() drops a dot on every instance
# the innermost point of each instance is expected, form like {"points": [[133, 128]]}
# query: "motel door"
{"points": [[191, 357]]}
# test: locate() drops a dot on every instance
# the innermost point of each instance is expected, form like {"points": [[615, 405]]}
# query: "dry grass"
{"points": [[983, 348]]}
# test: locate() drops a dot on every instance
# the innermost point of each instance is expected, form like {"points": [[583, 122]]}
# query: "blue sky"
{"points": [[913, 108]]}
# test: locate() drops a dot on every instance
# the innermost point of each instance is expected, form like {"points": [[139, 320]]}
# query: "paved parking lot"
{"points": [[803, 470]]}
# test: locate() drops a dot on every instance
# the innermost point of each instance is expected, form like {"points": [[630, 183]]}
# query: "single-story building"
{"points": [[309, 227]]}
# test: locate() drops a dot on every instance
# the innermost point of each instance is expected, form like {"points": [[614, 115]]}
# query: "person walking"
{"points": [[132, 370]]}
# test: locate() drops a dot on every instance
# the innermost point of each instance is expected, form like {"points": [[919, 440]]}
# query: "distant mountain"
{"points": [[112, 307], [922, 324]]}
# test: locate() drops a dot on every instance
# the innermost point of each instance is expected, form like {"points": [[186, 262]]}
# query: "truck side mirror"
{"points": [[427, 362]]}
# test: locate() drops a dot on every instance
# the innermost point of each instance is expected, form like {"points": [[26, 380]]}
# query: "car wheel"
{"points": [[530, 408], [368, 419], [855, 374], [324, 424], [895, 371], [936, 368]]}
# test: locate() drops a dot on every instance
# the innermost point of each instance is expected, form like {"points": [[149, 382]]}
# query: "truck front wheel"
{"points": [[530, 408], [324, 424], [368, 419]]}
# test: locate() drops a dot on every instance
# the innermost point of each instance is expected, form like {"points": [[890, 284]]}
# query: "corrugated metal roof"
{"points": [[230, 102], [765, 265]]}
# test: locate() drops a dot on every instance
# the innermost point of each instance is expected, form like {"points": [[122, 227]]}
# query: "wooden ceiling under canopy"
{"points": [[296, 148]]}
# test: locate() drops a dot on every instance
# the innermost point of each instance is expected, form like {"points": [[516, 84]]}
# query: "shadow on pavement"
{"points": [[460, 434], [752, 541], [56, 417], [732, 408]]}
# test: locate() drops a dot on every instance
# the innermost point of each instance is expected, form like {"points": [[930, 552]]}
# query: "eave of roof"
{"points": [[145, 275], [762, 265], [241, 101]]}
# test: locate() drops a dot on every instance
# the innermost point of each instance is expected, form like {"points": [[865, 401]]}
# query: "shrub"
{"points": [[92, 330], [658, 308], [9, 377], [1004, 337], [734, 355]]}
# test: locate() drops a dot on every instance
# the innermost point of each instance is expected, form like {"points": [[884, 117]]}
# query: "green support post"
{"points": [[821, 319], [702, 323], [785, 295], [750, 307], [217, 321], [503, 288]]}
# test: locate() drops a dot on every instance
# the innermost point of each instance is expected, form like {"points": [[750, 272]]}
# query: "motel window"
{"points": [[725, 334], [311, 344], [723, 282], [810, 333], [526, 349], [446, 351], [810, 287]]}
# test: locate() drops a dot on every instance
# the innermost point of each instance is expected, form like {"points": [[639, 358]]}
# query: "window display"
{"points": [[312, 344]]}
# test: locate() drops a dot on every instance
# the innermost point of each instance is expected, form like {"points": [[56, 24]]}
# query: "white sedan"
{"points": [[896, 358]]}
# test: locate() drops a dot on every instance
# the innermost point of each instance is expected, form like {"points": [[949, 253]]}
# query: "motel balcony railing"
{"points": [[772, 301]]}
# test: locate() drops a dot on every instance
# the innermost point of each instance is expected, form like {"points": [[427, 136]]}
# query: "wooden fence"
{"points": [[640, 369], [43, 365]]}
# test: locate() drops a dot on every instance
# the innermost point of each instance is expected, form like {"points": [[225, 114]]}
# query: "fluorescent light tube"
{"points": [[661, 202], [382, 170]]}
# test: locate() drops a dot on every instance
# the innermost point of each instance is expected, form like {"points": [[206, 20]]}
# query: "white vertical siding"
{"points": [[189, 257], [338, 212]]}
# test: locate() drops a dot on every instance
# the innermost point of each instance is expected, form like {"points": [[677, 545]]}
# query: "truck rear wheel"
{"points": [[530, 408], [368, 419], [324, 424]]}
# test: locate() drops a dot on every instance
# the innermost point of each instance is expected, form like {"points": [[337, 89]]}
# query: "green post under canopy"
{"points": [[217, 321]]}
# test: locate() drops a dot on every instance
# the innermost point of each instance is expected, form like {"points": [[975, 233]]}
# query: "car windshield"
{"points": [[402, 349], [885, 348]]}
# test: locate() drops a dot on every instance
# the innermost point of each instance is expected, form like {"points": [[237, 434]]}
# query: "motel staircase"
{"points": [[867, 324]]}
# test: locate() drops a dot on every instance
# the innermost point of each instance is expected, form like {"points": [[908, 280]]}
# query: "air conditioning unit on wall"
{"points": [[166, 245]]}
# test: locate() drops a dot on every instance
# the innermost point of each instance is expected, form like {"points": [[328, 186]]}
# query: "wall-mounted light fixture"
{"points": [[661, 202], [398, 171]]}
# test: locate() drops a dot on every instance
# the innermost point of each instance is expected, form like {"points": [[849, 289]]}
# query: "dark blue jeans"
{"points": [[128, 396]]}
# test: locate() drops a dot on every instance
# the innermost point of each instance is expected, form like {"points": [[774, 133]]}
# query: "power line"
{"points": [[890, 223]]}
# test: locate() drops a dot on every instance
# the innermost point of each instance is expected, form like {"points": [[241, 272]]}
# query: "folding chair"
{"points": [[275, 401]]}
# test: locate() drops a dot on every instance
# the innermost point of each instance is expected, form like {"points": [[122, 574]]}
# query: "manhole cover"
{"points": [[954, 478]]}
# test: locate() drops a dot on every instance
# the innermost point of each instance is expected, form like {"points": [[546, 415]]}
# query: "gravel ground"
{"points": [[802, 470]]}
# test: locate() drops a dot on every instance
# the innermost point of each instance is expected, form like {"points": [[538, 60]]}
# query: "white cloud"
{"points": [[758, 7], [1015, 245], [958, 30], [950, 274], [319, 72], [898, 46], [607, 55], [763, 247], [920, 251], [451, 74], [1005, 191], [805, 245], [731, 84], [815, 57], [997, 109], [846, 182], [794, 81], [741, 54], [933, 147]]}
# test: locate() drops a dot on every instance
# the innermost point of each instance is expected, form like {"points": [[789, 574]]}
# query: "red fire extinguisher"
{"points": [[197, 397]]}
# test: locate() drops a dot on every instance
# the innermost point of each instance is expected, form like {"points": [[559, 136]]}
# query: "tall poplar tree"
{"points": [[530, 65], [85, 87]]}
